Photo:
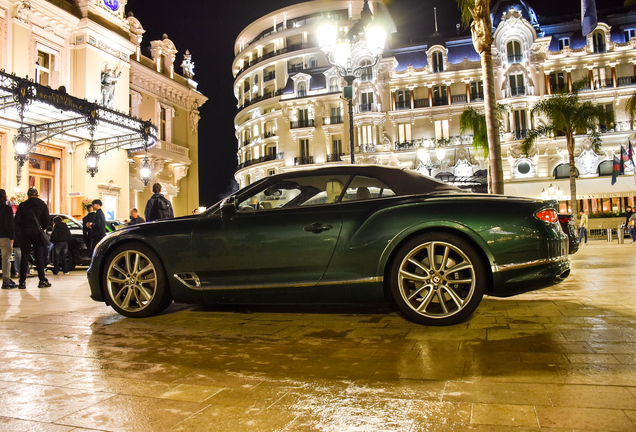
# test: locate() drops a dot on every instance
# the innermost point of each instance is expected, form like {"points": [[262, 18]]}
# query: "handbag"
{"points": [[44, 236]]}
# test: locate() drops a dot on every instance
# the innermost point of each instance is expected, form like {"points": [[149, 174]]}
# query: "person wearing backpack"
{"points": [[60, 237], [158, 207]]}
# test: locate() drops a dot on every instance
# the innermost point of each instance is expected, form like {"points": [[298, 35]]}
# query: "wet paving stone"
{"points": [[558, 359]]}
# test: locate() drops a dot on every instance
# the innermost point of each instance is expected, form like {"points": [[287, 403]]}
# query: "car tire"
{"points": [[443, 291], [135, 281]]}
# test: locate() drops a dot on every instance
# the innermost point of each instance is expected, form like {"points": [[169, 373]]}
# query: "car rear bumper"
{"points": [[518, 278]]}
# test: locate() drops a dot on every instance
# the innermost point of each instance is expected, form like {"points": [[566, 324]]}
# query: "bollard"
{"points": [[609, 235], [621, 235]]}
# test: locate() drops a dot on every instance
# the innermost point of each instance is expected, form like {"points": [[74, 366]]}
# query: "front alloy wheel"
{"points": [[135, 281], [437, 279]]}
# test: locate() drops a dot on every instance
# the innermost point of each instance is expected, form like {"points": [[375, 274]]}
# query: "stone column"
{"points": [[467, 93]]}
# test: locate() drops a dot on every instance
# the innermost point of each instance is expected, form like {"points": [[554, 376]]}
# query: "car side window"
{"points": [[365, 188], [296, 192]]}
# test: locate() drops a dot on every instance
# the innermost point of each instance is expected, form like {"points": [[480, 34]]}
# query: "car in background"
{"points": [[343, 234], [78, 253], [568, 225]]}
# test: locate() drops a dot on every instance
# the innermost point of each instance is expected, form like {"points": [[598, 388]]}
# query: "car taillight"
{"points": [[547, 215], [565, 220]]}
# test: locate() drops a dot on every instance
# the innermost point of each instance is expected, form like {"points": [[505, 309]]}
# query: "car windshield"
{"points": [[72, 224]]}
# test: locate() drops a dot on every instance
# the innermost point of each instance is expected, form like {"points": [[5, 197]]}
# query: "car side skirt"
{"points": [[203, 287]]}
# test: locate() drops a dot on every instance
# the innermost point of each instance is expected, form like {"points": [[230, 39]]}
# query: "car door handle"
{"points": [[317, 227]]}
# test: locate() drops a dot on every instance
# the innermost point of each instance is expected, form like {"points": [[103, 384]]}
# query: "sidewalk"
{"points": [[561, 359]]}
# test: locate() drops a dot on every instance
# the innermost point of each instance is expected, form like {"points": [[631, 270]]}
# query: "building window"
{"points": [[248, 180], [629, 34], [438, 62], [404, 132], [313, 62], [609, 109], [336, 146], [271, 172], [43, 68], [606, 168], [270, 151], [302, 90], [333, 85], [523, 167], [514, 52], [563, 171], [557, 81], [366, 99], [162, 123], [476, 91], [441, 129], [440, 96], [367, 135], [564, 42], [367, 72], [403, 99], [521, 126], [165, 114], [598, 42], [304, 151], [517, 87]]}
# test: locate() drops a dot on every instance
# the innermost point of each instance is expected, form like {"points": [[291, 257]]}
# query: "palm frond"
{"points": [[465, 7]]}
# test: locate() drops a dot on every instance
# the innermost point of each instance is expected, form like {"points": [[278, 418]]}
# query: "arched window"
{"points": [[598, 42], [333, 85], [255, 131], [563, 171], [367, 72], [438, 62], [513, 50], [605, 168], [302, 89], [313, 62]]}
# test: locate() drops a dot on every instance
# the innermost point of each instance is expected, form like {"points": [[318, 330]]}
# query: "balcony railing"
{"points": [[266, 158], [334, 89], [301, 124], [269, 134], [440, 101], [334, 157], [404, 145], [459, 99], [366, 148], [515, 58], [403, 105], [603, 83], [295, 67], [518, 91], [301, 93], [332, 120], [304, 160], [520, 133], [365, 108], [626, 81], [260, 98], [269, 76], [421, 103], [476, 97], [291, 48]]}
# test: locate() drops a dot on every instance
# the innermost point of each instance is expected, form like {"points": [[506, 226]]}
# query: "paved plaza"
{"points": [[560, 359]]}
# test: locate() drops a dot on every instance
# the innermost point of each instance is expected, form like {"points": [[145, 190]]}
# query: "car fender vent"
{"points": [[189, 279]]}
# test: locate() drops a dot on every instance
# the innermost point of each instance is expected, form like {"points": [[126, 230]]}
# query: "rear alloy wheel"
{"points": [[135, 281], [437, 279]]}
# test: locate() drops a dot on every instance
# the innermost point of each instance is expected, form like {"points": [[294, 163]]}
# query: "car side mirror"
{"points": [[228, 208]]}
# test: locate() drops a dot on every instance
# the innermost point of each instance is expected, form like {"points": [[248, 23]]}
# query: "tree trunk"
{"points": [[574, 202], [495, 170]]}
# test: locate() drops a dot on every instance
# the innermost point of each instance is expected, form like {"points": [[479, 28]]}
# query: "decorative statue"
{"points": [[109, 80], [187, 65]]}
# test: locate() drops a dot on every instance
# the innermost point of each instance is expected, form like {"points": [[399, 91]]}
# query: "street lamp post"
{"points": [[365, 41], [425, 159]]}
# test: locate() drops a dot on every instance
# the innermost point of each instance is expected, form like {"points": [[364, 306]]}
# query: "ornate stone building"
{"points": [[89, 89], [290, 114]]}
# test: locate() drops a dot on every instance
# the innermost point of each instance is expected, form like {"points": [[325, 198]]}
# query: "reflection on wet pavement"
{"points": [[562, 358]]}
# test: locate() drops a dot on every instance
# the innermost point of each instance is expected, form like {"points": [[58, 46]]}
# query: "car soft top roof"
{"points": [[401, 180]]}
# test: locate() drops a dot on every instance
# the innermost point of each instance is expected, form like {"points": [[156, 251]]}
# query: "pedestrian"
{"points": [[98, 225], [583, 227], [631, 223], [6, 240], [32, 215], [17, 252], [158, 207], [60, 237], [196, 211], [86, 221], [135, 218]]}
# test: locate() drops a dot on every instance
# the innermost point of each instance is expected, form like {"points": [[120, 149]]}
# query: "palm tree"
{"points": [[474, 121], [630, 107], [478, 11], [565, 114]]}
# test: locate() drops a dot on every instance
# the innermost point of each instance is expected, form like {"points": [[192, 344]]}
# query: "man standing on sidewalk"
{"points": [[6, 240], [30, 213], [97, 226], [583, 227]]}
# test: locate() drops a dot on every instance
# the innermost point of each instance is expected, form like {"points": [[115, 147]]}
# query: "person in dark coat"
{"points": [[158, 207], [86, 221], [60, 237], [29, 213], [135, 218], [98, 226], [6, 240]]}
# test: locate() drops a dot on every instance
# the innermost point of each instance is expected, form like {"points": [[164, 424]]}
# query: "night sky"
{"points": [[208, 29]]}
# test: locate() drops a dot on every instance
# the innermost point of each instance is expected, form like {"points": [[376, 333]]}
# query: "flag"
{"points": [[616, 171], [630, 151], [624, 158], [589, 19]]}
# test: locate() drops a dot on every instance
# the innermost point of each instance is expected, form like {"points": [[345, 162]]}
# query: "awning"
{"points": [[586, 188], [42, 113]]}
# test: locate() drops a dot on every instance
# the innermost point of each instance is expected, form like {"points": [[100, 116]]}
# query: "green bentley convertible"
{"points": [[345, 234]]}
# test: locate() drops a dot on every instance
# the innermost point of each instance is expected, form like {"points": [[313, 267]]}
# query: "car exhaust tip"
{"points": [[561, 276]]}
